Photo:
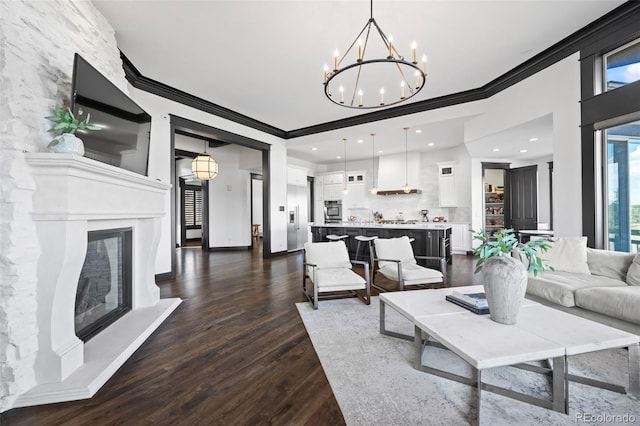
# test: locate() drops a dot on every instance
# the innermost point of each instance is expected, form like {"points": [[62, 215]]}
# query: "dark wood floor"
{"points": [[234, 352]]}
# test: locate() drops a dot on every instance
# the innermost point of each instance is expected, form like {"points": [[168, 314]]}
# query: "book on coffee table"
{"points": [[479, 300], [479, 310]]}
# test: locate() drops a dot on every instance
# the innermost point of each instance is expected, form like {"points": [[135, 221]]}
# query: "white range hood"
{"points": [[394, 173]]}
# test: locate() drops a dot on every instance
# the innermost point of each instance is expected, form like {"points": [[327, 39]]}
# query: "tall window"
{"points": [[623, 187], [622, 66], [193, 207]]}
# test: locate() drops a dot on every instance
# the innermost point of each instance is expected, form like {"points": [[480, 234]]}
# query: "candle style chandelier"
{"points": [[388, 72]]}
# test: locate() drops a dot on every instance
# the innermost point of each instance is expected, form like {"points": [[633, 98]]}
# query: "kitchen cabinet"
{"points": [[494, 197], [333, 192], [428, 242], [356, 197], [448, 196], [460, 238], [448, 193], [334, 179]]}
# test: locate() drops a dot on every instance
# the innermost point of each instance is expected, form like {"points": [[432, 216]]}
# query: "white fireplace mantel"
{"points": [[75, 195]]}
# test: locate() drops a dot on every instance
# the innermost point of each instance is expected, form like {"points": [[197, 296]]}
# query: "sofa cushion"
{"points": [[619, 302], [633, 274], [567, 254], [559, 287], [612, 264], [338, 279]]}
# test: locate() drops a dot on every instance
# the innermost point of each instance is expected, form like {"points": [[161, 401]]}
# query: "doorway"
{"points": [[212, 137]]}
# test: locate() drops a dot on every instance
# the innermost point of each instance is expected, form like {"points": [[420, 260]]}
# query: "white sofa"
{"points": [[600, 285]]}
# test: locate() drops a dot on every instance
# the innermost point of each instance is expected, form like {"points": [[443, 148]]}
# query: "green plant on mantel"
{"points": [[67, 122], [503, 242]]}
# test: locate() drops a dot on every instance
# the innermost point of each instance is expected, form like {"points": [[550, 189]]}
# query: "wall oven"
{"points": [[332, 211]]}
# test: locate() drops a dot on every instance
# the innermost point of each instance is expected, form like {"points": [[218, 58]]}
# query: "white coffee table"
{"points": [[541, 334]]}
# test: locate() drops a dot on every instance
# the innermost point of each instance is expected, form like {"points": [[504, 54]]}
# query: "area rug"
{"points": [[373, 380]]}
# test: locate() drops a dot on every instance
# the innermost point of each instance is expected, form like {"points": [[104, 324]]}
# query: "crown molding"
{"points": [[581, 39]]}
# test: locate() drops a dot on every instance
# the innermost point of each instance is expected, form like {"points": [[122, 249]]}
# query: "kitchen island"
{"points": [[431, 239]]}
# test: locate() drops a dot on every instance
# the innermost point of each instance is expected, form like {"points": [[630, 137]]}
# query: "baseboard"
{"points": [[165, 276], [230, 248], [279, 253]]}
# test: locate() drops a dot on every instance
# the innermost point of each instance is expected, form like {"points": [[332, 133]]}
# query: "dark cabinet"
{"points": [[427, 242]]}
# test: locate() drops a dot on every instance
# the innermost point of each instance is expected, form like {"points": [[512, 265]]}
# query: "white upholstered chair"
{"points": [[396, 261], [328, 268]]}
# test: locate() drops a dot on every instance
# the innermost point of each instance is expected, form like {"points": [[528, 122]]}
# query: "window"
{"points": [[623, 187], [193, 207], [622, 66]]}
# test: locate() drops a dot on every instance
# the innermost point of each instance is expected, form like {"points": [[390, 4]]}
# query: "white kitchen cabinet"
{"points": [[447, 184], [460, 238], [333, 192], [447, 190], [334, 179], [356, 197], [297, 176], [356, 177]]}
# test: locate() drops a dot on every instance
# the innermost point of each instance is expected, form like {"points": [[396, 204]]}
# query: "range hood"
{"points": [[393, 174]]}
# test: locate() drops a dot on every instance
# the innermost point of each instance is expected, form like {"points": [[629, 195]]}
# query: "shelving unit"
{"points": [[494, 198], [493, 211]]}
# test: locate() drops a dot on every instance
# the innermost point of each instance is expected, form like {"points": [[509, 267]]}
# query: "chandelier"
{"points": [[387, 72], [204, 166]]}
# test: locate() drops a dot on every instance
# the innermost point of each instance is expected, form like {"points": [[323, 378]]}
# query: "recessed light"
{"points": [[380, 152], [523, 150], [496, 149], [314, 149], [533, 139], [339, 157], [418, 131], [430, 144], [359, 140]]}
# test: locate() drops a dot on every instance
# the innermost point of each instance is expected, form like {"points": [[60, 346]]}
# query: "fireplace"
{"points": [[98, 230], [104, 286]]}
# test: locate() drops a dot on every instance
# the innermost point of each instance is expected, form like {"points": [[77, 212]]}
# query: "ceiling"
{"points": [[264, 59]]}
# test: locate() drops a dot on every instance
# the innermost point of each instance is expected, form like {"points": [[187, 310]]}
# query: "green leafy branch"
{"points": [[67, 122], [503, 242]]}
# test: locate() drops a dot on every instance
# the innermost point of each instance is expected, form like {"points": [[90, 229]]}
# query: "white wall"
{"points": [[160, 163], [229, 201], [554, 90], [257, 203], [37, 44]]}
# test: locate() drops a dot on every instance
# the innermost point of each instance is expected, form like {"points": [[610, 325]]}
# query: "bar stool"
{"points": [[333, 238], [369, 241]]}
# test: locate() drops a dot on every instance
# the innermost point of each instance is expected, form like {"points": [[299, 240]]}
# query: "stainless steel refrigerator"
{"points": [[296, 217]]}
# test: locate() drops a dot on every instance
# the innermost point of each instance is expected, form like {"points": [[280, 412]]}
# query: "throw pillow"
{"points": [[633, 274], [567, 254]]}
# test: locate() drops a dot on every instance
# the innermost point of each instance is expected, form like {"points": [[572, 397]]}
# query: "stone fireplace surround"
{"points": [[75, 195]]}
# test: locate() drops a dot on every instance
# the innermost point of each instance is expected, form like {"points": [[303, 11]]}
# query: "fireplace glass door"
{"points": [[104, 287]]}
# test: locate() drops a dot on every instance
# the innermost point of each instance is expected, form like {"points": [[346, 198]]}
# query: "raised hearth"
{"points": [[74, 196]]}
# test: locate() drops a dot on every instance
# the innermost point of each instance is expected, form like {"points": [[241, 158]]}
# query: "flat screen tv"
{"points": [[123, 140]]}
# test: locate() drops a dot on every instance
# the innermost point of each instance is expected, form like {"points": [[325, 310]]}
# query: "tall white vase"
{"points": [[68, 143], [505, 283]]}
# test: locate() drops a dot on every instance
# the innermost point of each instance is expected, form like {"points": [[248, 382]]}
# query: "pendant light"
{"points": [[374, 188], [204, 166], [407, 187], [345, 191]]}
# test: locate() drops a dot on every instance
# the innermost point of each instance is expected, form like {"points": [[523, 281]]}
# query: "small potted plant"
{"points": [[68, 123], [504, 276]]}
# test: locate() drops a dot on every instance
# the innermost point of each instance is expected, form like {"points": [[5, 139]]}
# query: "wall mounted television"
{"points": [[124, 138]]}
